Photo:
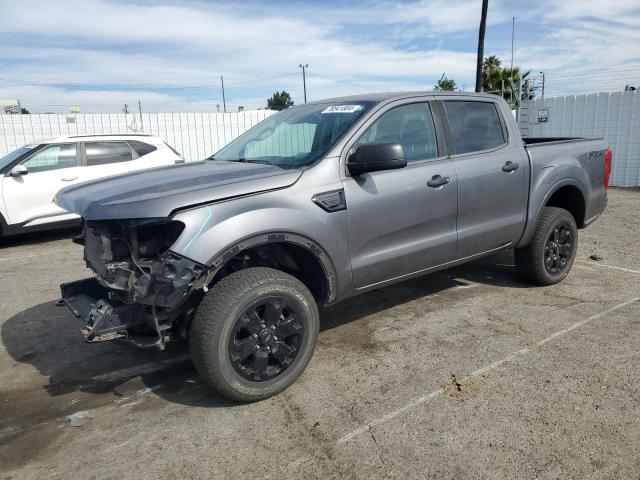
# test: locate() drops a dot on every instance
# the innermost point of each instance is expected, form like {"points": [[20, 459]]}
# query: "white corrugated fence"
{"points": [[195, 135], [614, 116]]}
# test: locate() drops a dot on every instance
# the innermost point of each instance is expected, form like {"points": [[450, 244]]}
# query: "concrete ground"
{"points": [[468, 373]]}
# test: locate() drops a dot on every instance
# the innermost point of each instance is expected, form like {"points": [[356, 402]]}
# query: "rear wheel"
{"points": [[550, 254], [254, 333]]}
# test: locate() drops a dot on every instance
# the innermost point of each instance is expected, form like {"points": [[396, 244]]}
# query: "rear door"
{"points": [[397, 223], [29, 198], [492, 189]]}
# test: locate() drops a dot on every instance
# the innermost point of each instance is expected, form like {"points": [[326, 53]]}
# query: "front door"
{"points": [[29, 198], [402, 221]]}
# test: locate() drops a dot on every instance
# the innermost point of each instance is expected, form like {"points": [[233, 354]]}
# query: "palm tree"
{"points": [[492, 74], [499, 80]]}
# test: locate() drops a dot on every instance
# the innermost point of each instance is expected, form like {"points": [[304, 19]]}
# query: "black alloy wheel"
{"points": [[266, 339], [254, 333], [549, 255], [558, 249]]}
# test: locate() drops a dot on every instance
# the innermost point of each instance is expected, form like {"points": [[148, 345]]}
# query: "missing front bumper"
{"points": [[104, 320]]}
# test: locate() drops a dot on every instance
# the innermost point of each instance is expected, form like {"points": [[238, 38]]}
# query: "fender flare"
{"points": [[567, 182], [216, 262], [530, 226]]}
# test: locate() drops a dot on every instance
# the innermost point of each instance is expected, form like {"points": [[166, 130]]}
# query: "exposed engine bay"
{"points": [[142, 290]]}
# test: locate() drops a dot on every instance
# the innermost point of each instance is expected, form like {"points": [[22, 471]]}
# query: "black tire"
{"points": [[545, 261], [232, 308]]}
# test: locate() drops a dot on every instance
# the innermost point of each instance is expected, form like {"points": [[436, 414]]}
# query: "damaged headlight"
{"points": [[166, 280]]}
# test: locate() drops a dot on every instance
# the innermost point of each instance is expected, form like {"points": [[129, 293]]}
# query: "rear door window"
{"points": [[141, 148], [100, 153], [52, 158], [475, 126]]}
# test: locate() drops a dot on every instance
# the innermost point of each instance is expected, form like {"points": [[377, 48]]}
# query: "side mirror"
{"points": [[375, 157], [18, 171]]}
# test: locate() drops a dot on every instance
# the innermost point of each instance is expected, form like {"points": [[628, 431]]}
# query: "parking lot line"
{"points": [[492, 366], [604, 265]]}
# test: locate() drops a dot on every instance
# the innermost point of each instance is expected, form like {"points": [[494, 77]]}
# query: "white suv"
{"points": [[31, 175]]}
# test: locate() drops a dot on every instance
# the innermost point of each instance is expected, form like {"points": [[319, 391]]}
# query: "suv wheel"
{"points": [[550, 254], [254, 333]]}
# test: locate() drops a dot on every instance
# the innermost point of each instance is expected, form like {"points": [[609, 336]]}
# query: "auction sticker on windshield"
{"points": [[342, 109]]}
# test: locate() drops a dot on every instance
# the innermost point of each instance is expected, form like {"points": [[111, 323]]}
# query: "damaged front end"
{"points": [[142, 291]]}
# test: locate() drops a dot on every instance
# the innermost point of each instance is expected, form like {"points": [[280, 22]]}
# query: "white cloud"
{"points": [[95, 42], [351, 47]]}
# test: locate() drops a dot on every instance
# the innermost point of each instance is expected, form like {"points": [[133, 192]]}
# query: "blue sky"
{"points": [[99, 54]]}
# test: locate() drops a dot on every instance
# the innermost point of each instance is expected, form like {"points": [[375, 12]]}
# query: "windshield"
{"points": [[295, 137], [10, 157]]}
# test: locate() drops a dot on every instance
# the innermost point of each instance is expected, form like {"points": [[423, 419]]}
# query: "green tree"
{"points": [[25, 111], [500, 80], [491, 74], [447, 84], [279, 101]]}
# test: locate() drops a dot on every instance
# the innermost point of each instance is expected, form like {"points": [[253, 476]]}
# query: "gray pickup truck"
{"points": [[314, 205]]}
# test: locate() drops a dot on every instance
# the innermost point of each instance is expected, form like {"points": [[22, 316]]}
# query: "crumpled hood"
{"points": [[156, 193]]}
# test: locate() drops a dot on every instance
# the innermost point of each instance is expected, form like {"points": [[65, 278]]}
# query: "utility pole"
{"points": [[483, 26], [140, 111], [514, 102], [513, 34], [542, 73], [224, 102], [304, 80]]}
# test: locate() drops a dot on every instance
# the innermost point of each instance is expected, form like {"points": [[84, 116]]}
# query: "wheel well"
{"points": [[571, 199], [290, 258]]}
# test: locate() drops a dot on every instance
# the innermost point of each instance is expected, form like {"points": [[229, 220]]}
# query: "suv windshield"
{"points": [[10, 157], [295, 137]]}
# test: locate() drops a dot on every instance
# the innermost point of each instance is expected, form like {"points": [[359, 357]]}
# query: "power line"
{"points": [[116, 88], [592, 77], [601, 69]]}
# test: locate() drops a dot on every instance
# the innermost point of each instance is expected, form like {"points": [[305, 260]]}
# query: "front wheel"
{"points": [[550, 254], [254, 333]]}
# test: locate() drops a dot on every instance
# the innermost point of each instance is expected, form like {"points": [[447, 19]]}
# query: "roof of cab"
{"points": [[390, 96]]}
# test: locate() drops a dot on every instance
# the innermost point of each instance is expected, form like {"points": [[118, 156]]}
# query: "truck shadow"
{"points": [[48, 338], [36, 238]]}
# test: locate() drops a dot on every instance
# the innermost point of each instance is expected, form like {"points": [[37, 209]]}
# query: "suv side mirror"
{"points": [[375, 157], [18, 171]]}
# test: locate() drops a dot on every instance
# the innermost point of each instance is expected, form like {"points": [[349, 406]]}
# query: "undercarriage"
{"points": [[142, 291]]}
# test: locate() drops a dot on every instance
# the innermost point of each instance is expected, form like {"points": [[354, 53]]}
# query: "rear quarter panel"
{"points": [[579, 163]]}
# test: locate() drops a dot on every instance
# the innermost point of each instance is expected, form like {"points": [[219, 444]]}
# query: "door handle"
{"points": [[510, 167], [69, 179], [438, 181]]}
